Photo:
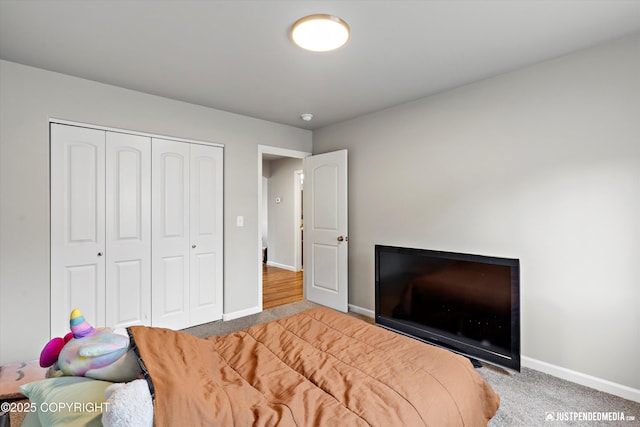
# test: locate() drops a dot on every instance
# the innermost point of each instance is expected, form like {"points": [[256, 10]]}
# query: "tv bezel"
{"points": [[432, 335]]}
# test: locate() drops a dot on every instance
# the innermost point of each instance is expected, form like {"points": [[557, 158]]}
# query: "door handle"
{"points": [[193, 246], [100, 253], [343, 239]]}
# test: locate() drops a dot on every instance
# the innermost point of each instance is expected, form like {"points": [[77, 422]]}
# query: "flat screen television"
{"points": [[469, 304]]}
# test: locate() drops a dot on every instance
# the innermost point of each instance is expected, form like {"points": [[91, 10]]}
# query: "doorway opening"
{"points": [[280, 286], [280, 226]]}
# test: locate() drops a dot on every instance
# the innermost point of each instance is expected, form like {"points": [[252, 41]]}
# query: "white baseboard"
{"points": [[283, 266], [363, 311], [241, 313], [607, 386]]}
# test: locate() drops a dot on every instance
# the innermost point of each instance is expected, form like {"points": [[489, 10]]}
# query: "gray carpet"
{"points": [[222, 328], [527, 398]]}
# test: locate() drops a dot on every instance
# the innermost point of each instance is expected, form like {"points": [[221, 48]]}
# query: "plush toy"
{"points": [[96, 353]]}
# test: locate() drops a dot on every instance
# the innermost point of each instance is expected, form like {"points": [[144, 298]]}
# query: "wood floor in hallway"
{"points": [[280, 286]]}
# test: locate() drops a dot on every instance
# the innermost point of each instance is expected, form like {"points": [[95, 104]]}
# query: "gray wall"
{"points": [[281, 216], [29, 98], [541, 164]]}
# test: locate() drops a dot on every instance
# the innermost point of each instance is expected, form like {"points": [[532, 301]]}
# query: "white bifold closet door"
{"points": [[187, 260], [128, 230], [100, 227]]}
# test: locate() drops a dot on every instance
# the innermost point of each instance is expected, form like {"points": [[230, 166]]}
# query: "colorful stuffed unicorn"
{"points": [[89, 352]]}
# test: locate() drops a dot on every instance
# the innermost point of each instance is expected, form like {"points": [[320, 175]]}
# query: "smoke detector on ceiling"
{"points": [[306, 117]]}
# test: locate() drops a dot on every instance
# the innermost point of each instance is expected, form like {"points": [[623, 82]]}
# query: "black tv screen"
{"points": [[469, 304]]}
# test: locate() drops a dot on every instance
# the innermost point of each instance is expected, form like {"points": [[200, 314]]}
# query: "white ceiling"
{"points": [[236, 55]]}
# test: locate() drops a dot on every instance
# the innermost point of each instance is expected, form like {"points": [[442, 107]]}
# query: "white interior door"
{"points": [[128, 230], [77, 225], [206, 233], [170, 234], [326, 230]]}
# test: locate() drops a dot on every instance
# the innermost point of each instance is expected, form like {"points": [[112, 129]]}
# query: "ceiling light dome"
{"points": [[320, 33]]}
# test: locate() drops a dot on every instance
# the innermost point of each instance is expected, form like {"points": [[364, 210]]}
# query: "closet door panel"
{"points": [[77, 225], [174, 190], [82, 288], [128, 300], [128, 230], [174, 272], [170, 234], [206, 233]]}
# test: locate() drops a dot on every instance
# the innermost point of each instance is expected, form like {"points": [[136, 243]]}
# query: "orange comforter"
{"points": [[316, 368]]}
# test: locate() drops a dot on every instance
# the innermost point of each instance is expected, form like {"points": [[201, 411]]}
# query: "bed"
{"points": [[315, 368]]}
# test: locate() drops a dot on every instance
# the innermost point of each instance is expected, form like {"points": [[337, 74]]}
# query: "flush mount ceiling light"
{"points": [[320, 33]]}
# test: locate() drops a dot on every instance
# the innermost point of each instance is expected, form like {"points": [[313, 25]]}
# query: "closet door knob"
{"points": [[100, 253], [193, 246]]}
